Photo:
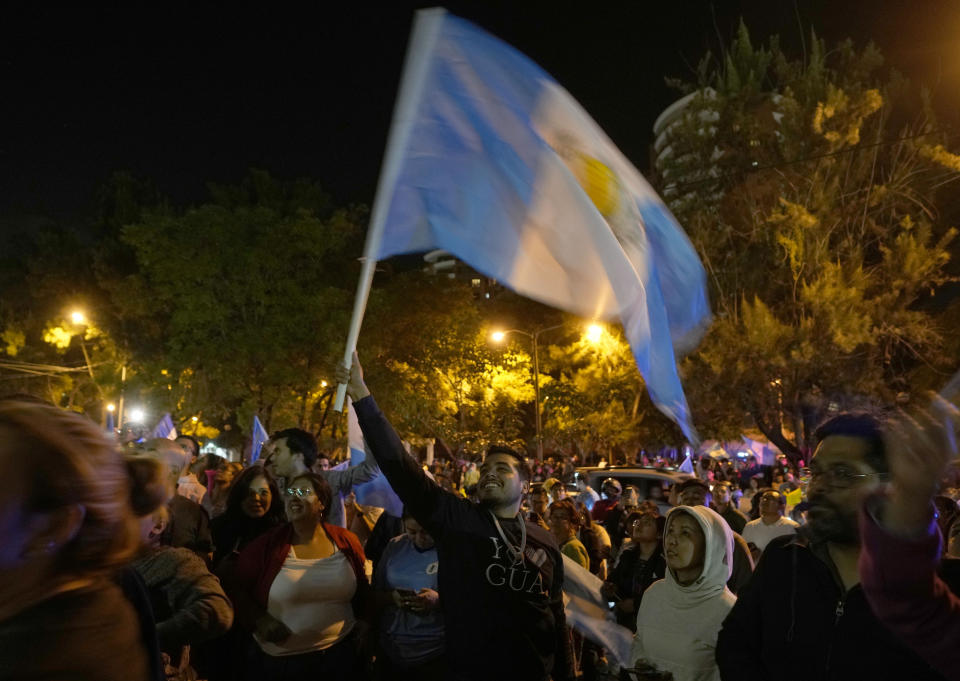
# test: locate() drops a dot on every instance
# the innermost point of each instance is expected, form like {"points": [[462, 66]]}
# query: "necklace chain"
{"points": [[516, 553]]}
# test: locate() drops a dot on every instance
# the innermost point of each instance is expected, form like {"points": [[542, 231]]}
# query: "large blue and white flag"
{"points": [[376, 492], [258, 435], [165, 428], [490, 159]]}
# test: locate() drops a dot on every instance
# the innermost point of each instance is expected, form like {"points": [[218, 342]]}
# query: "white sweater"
{"points": [[677, 625]]}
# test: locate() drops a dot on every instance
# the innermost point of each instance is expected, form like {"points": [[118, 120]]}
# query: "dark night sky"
{"points": [[184, 96]]}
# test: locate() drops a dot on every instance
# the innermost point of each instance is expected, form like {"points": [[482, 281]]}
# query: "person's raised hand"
{"points": [[918, 449], [353, 378]]}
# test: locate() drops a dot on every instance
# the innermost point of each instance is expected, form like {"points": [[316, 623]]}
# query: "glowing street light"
{"points": [[498, 337], [137, 415], [594, 333], [111, 407], [77, 317], [323, 384]]}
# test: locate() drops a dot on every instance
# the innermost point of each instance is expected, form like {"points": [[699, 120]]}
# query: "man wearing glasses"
{"points": [[771, 523], [804, 615]]}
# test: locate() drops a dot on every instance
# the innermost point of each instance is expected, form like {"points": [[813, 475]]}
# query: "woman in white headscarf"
{"points": [[681, 614]]}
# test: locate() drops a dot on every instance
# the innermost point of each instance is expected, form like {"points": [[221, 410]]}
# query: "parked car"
{"points": [[641, 477]]}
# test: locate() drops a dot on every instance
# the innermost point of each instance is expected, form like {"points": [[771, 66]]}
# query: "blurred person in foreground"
{"points": [[901, 543], [66, 525], [500, 575], [805, 594]]}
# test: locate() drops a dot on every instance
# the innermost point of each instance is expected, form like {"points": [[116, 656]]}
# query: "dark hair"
{"points": [[566, 506], [149, 489], [781, 498], [299, 441], [863, 425], [196, 445], [521, 464], [538, 490], [322, 489], [692, 482], [240, 488]]}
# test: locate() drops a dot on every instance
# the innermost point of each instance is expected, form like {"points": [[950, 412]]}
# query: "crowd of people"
{"points": [[150, 560]]}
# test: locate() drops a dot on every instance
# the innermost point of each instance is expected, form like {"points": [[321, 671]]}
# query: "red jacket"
{"points": [[899, 579], [261, 560]]}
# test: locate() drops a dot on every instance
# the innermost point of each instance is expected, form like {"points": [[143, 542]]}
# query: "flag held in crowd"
{"points": [[376, 492], [587, 612], [165, 428], [258, 437], [493, 161]]}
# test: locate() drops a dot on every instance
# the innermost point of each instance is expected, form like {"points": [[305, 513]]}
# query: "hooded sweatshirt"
{"points": [[677, 625]]}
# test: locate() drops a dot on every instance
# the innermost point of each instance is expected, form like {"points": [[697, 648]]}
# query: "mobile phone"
{"points": [[407, 593]]}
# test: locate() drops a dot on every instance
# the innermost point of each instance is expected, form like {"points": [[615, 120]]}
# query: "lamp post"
{"points": [[499, 336]]}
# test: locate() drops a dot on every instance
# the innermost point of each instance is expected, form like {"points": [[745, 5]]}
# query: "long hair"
{"points": [[234, 528]]}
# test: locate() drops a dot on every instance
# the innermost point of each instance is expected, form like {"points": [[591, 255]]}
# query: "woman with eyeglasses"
{"points": [[300, 588]]}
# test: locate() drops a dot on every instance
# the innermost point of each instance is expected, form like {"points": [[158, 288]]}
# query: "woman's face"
{"points": [[644, 529], [302, 500], [683, 543], [258, 499], [224, 476]]}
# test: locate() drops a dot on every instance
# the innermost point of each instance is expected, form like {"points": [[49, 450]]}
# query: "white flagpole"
{"points": [[422, 39]]}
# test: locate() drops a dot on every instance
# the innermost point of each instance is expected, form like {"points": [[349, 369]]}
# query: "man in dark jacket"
{"points": [[500, 575], [804, 614]]}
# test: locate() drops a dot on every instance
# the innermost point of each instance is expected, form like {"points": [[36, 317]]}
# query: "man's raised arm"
{"points": [[421, 495]]}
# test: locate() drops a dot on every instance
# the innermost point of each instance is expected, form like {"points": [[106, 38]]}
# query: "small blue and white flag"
{"points": [[376, 492], [490, 159], [258, 435], [686, 466], [165, 428]]}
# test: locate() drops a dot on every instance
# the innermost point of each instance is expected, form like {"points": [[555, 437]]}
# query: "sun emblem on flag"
{"points": [[605, 190], [596, 179]]}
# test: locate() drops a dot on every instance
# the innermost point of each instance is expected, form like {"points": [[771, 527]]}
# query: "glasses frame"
{"points": [[830, 477]]}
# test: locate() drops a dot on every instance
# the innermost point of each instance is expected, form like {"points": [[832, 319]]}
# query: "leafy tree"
{"points": [[810, 188], [245, 299]]}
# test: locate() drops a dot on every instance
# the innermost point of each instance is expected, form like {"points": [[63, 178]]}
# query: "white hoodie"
{"points": [[677, 625]]}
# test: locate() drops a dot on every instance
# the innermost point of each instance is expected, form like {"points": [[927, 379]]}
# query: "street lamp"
{"points": [[137, 415], [594, 333], [498, 337], [77, 317]]}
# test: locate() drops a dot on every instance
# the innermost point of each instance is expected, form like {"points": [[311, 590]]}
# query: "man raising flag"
{"points": [[490, 159]]}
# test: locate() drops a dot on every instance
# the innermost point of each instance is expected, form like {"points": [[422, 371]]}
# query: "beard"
{"points": [[828, 522]]}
